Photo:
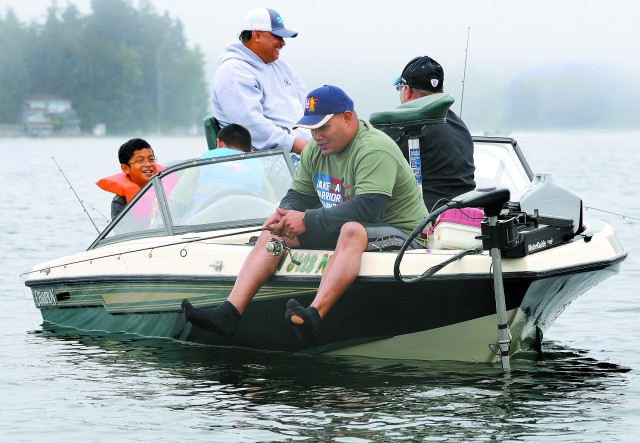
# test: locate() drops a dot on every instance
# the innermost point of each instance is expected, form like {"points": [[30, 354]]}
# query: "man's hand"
{"points": [[271, 222], [290, 224]]}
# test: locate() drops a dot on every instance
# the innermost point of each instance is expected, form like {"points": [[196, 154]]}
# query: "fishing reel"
{"points": [[276, 247]]}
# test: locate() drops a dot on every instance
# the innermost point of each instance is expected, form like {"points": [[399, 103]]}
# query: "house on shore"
{"points": [[47, 115]]}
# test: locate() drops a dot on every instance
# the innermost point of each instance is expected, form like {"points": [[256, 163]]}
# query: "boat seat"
{"points": [[211, 129], [429, 110]]}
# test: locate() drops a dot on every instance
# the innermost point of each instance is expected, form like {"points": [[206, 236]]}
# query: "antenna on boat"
{"points": [[464, 73], [74, 192]]}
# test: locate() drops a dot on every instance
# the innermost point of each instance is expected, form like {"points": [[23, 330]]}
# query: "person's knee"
{"points": [[353, 234], [260, 250], [267, 254], [263, 238]]}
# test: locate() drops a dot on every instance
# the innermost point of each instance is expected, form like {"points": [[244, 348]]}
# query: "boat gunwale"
{"points": [[159, 278]]}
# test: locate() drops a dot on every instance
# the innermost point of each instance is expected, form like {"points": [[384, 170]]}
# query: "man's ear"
{"points": [[347, 116], [407, 93], [125, 168]]}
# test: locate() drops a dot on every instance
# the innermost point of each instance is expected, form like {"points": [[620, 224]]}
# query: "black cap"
{"points": [[423, 73]]}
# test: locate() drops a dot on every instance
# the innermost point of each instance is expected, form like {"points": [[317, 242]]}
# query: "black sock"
{"points": [[305, 321], [223, 319]]}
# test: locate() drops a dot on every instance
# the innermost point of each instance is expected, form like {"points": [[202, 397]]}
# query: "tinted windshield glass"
{"points": [[241, 189], [143, 215]]}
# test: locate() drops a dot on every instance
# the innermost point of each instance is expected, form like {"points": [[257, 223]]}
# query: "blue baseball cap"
{"points": [[321, 104], [265, 19]]}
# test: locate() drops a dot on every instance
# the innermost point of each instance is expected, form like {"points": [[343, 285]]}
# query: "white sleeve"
{"points": [[237, 98]]}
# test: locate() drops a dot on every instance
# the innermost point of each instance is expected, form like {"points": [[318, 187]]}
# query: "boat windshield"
{"points": [[500, 163], [204, 194], [243, 190]]}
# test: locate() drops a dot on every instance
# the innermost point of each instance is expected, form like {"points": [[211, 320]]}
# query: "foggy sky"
{"points": [[362, 45]]}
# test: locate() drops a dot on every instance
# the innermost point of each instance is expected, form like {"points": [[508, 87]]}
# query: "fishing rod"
{"points": [[74, 192], [93, 208], [464, 73], [613, 213], [148, 248]]}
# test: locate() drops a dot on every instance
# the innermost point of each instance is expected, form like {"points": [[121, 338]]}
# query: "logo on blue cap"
{"points": [[321, 104]]}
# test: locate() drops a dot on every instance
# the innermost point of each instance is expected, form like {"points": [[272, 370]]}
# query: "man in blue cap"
{"points": [[352, 192], [256, 89]]}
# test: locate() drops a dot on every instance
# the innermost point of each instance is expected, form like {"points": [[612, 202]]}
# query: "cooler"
{"points": [[456, 229]]}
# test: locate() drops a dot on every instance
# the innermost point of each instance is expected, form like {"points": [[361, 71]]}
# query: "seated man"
{"points": [[446, 151], [257, 89], [353, 191], [138, 164]]}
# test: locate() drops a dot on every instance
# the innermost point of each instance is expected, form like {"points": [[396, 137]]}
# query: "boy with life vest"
{"points": [[138, 164]]}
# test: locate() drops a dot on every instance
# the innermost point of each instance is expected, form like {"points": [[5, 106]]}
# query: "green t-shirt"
{"points": [[371, 164]]}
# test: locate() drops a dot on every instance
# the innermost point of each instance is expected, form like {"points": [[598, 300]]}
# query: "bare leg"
{"points": [[343, 266], [256, 269], [224, 318], [342, 269]]}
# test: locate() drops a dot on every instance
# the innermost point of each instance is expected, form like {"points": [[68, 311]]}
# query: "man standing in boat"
{"points": [[254, 88], [446, 151], [353, 192]]}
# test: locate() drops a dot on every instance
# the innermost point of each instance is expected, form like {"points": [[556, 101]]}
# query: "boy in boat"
{"points": [[253, 87], [353, 192], [138, 164], [248, 175], [232, 139], [200, 187], [446, 151]]}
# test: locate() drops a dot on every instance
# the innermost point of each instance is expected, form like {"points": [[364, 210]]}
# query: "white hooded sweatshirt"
{"points": [[266, 98]]}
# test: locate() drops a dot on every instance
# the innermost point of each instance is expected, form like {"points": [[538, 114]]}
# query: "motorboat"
{"points": [[187, 233]]}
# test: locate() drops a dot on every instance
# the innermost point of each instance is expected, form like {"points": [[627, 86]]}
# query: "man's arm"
{"points": [[117, 205], [299, 202], [367, 208], [298, 145]]}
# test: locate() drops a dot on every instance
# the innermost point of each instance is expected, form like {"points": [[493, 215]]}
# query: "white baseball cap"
{"points": [[265, 19]]}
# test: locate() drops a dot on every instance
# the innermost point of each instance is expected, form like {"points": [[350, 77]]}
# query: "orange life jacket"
{"points": [[120, 184]]}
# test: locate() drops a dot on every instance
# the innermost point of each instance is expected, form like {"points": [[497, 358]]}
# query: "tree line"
{"points": [[127, 67]]}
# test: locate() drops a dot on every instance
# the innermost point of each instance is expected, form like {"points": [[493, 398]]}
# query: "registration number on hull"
{"points": [[44, 298]]}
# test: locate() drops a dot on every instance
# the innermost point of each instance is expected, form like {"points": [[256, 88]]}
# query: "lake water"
{"points": [[67, 387]]}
